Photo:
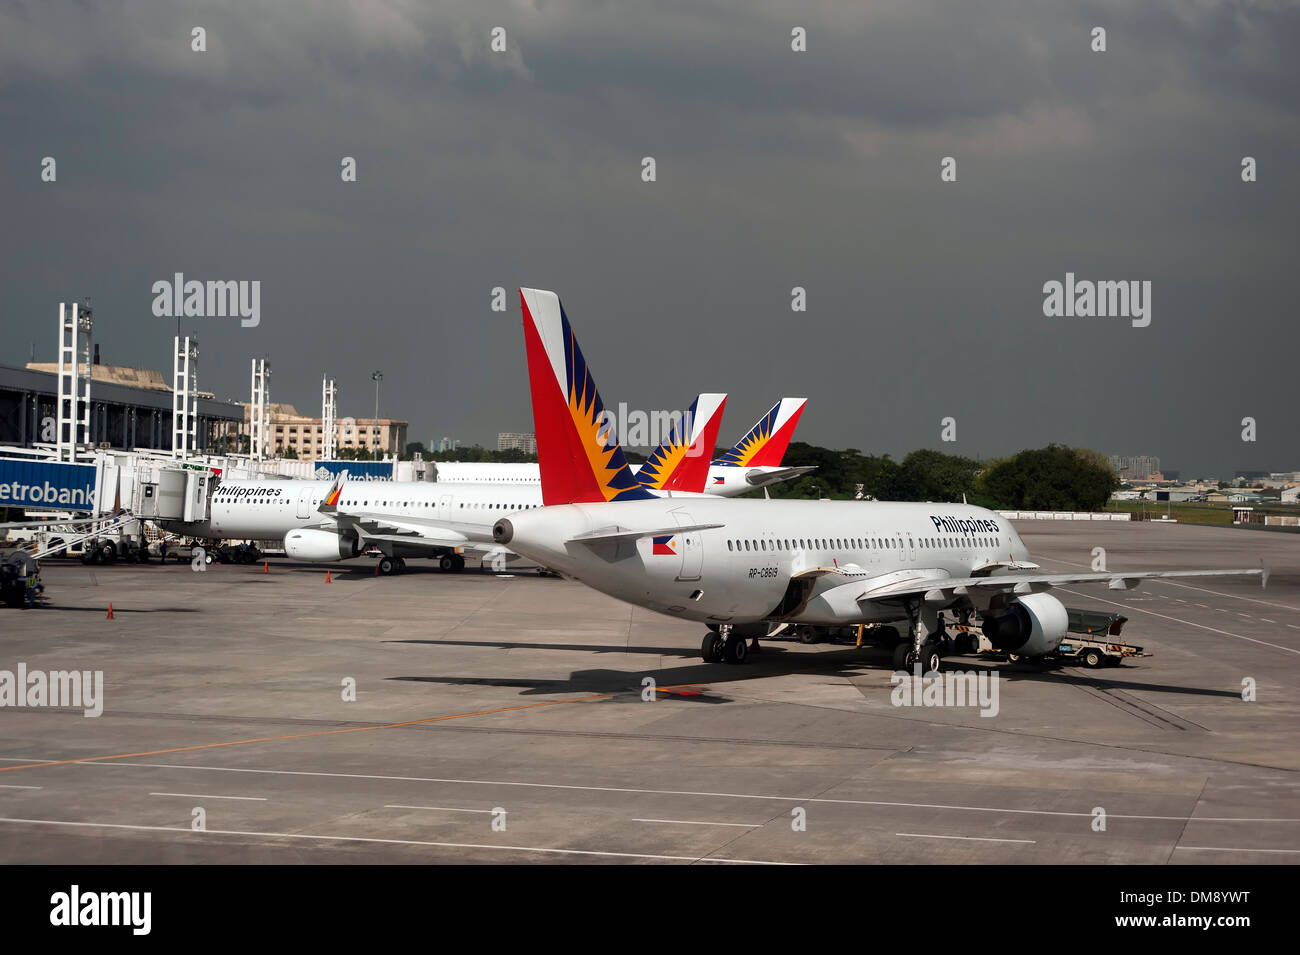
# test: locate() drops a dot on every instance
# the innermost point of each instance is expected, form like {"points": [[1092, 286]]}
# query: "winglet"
{"points": [[765, 443], [330, 502]]}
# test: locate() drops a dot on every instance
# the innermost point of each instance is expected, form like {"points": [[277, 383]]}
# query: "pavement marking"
{"points": [[440, 808], [690, 822], [1230, 849], [1266, 620], [398, 842], [348, 729], [1189, 623], [681, 792], [20, 787], [209, 796], [1170, 583], [926, 835]]}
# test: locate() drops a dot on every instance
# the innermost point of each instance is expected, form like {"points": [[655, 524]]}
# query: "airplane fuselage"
{"points": [[779, 559]]}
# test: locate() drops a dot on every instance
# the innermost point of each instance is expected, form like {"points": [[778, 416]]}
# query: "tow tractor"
{"points": [[1092, 640]]}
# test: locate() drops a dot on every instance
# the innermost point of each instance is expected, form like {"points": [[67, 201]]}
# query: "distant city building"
{"points": [[286, 429], [517, 441], [1139, 467], [445, 444]]}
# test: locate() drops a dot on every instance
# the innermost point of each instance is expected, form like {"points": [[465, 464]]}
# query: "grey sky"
{"points": [[775, 169]]}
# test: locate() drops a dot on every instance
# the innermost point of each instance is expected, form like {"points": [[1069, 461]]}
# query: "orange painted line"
{"points": [[276, 739]]}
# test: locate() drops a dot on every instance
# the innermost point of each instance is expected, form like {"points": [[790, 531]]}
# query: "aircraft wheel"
{"points": [[736, 650], [401, 564], [460, 564], [447, 563], [711, 648], [808, 635], [930, 657], [901, 654], [387, 566]]}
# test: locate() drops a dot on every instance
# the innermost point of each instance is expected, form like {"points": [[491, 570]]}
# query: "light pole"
{"points": [[377, 377]]}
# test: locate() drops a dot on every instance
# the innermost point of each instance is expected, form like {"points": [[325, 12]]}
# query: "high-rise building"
{"points": [[517, 441], [1134, 467]]}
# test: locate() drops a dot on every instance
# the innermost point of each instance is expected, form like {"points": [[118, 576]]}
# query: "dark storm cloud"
{"points": [[775, 169]]}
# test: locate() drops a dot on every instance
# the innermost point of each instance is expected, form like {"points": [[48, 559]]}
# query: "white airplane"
{"points": [[754, 462], [742, 566], [337, 520]]}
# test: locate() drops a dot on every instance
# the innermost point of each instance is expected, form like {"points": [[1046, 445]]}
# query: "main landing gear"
{"points": [[451, 563], [391, 565], [924, 643], [724, 646]]}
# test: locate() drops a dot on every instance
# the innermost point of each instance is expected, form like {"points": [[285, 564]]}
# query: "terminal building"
{"points": [[130, 408]]}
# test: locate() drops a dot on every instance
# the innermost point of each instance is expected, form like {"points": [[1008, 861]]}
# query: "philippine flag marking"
{"points": [[719, 480], [663, 545]]}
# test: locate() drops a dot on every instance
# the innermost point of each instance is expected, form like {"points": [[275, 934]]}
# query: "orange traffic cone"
{"points": [[327, 576], [266, 566], [110, 611], [376, 570]]}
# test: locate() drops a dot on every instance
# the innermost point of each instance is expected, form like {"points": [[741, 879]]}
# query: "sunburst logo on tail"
{"points": [[580, 461], [766, 442]]}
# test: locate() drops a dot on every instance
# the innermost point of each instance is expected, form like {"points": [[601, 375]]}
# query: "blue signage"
{"points": [[47, 484], [357, 470]]}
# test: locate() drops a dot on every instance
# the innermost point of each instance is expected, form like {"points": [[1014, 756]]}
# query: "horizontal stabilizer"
{"points": [[763, 478], [618, 533]]}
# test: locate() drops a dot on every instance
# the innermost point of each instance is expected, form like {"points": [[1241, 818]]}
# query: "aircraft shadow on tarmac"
{"points": [[772, 660], [103, 608]]}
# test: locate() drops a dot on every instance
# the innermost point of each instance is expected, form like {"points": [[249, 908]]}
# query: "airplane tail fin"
{"points": [[682, 462], [578, 457], [766, 442]]}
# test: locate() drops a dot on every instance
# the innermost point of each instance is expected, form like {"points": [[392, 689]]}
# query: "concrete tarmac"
{"points": [[505, 719]]}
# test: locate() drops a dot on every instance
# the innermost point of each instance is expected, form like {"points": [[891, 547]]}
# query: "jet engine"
{"points": [[1031, 626], [321, 545]]}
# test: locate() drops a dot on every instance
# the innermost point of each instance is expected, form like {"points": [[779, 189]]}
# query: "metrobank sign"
{"points": [[37, 484]]}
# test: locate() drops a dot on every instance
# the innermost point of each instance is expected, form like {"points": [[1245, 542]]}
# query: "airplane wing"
{"points": [[374, 526], [937, 586]]}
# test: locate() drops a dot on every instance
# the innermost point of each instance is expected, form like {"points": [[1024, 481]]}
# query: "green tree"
{"points": [[1054, 478]]}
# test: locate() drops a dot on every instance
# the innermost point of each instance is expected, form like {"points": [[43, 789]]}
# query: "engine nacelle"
{"points": [[1033, 625], [319, 545]]}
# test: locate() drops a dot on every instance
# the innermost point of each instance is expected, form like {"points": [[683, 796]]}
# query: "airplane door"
{"points": [[902, 546], [304, 504], [911, 548], [444, 508], [691, 547]]}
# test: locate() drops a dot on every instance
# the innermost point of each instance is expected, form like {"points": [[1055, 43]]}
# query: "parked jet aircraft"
{"points": [[741, 566], [331, 521]]}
